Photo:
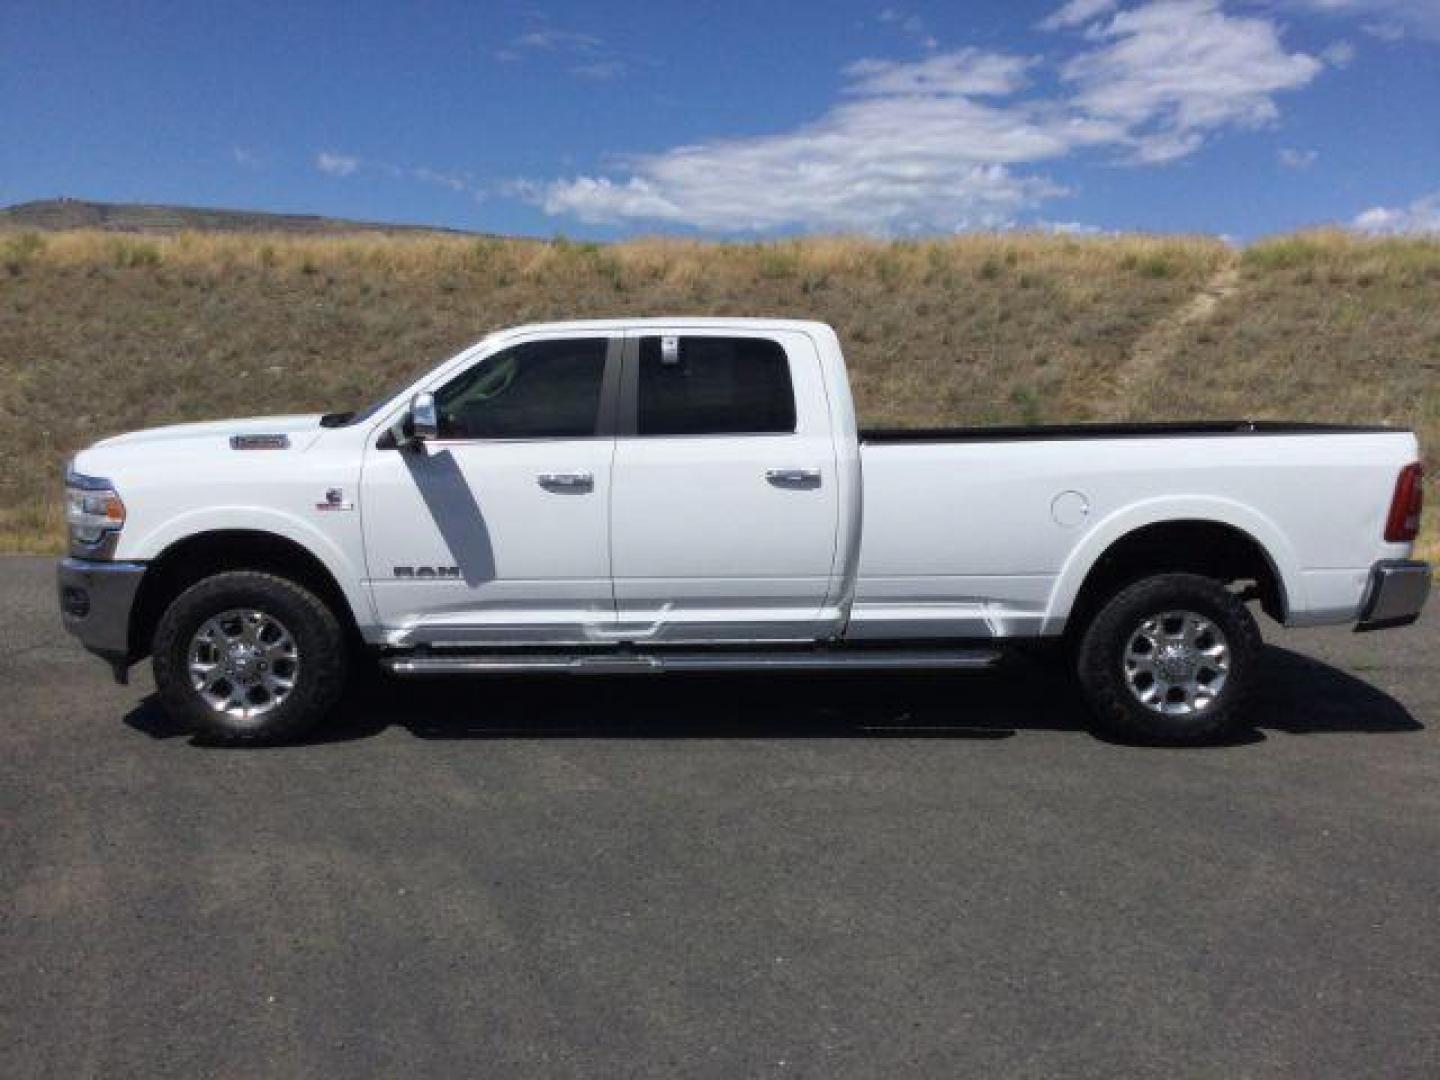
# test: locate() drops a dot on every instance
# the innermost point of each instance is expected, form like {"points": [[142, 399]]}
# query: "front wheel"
{"points": [[1170, 659], [249, 657]]}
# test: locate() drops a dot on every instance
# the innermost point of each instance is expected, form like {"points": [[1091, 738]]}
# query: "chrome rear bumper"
{"points": [[1396, 594]]}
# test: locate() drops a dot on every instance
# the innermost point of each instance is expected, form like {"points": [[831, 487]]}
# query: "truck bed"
{"points": [[969, 529], [1161, 429]]}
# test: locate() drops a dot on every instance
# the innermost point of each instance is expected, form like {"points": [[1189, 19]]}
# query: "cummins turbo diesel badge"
{"points": [[259, 442]]}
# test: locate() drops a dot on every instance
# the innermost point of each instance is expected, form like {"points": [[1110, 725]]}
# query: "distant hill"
{"points": [[54, 215]]}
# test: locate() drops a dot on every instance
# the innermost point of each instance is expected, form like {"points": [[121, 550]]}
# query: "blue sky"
{"points": [[1237, 117]]}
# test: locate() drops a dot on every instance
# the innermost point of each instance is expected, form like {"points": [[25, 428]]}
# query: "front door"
{"points": [[498, 530], [725, 503]]}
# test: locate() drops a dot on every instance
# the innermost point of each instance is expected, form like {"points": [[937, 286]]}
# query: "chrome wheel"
{"points": [[243, 663], [1176, 663]]}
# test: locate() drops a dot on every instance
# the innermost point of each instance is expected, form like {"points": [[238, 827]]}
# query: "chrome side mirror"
{"points": [[424, 420], [419, 423]]}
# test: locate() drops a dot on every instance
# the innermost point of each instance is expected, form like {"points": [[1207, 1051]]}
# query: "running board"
{"points": [[655, 663]]}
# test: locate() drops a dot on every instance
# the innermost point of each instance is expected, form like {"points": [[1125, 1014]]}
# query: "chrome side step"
{"points": [[656, 663]]}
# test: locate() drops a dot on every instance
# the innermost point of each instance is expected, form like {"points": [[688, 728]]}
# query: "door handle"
{"points": [[793, 477], [566, 481]]}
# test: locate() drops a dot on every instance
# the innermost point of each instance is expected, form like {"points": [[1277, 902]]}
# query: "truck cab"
{"points": [[667, 482]]}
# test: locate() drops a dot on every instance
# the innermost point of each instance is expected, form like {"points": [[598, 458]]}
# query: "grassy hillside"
{"points": [[102, 332]]}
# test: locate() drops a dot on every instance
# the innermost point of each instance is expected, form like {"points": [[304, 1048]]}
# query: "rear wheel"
{"points": [[248, 657], [1170, 659]]}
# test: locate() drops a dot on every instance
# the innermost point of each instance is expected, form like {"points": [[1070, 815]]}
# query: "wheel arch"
{"points": [[201, 555], [1222, 540]]}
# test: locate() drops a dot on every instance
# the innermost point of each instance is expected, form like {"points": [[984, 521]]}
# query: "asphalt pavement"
{"points": [[813, 876]]}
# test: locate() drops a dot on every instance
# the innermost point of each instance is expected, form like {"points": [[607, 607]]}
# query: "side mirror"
{"points": [[421, 422], [424, 420]]}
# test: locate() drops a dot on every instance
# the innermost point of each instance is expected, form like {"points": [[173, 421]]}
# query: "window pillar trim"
{"points": [[628, 404]]}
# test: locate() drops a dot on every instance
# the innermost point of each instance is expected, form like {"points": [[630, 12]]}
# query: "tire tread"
{"points": [[325, 659], [1111, 701]]}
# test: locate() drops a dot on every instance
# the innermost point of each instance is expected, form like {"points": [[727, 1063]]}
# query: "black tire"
{"points": [[319, 646], [1105, 651]]}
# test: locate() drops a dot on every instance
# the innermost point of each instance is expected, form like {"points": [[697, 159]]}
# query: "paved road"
{"points": [[727, 877]]}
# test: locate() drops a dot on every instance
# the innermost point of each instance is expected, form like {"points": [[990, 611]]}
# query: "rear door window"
{"points": [[713, 386]]}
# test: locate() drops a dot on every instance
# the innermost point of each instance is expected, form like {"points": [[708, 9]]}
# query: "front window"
{"points": [[538, 390]]}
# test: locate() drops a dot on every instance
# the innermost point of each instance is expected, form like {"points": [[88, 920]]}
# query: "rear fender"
{"points": [[1127, 520]]}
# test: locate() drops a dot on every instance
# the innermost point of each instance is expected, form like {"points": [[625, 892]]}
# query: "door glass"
{"points": [[538, 390], [714, 386]]}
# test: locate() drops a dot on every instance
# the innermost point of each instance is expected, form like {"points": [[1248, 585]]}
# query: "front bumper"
{"points": [[1397, 591], [95, 602]]}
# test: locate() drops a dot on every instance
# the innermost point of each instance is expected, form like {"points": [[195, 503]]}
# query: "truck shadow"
{"points": [[1299, 696]]}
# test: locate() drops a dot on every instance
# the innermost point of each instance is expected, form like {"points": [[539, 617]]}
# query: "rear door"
{"points": [[724, 502]]}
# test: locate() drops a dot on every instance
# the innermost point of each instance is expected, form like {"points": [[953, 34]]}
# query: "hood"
{"points": [[301, 429], [212, 437]]}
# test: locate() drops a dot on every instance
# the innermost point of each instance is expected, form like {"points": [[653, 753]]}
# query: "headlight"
{"points": [[94, 512]]}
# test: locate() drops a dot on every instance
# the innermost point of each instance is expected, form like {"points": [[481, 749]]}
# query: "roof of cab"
{"points": [[705, 322]]}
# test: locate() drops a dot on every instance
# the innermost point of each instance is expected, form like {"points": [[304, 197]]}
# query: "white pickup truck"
{"points": [[694, 495]]}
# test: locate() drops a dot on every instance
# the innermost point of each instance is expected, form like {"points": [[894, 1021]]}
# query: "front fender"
{"points": [[346, 568]]}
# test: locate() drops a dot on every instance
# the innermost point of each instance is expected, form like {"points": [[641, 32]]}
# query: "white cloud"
{"points": [[913, 150], [1421, 216], [451, 180], [591, 57], [1175, 70], [1077, 12], [245, 158], [549, 38], [965, 71], [1388, 20], [1297, 159], [1066, 228], [1384, 31], [333, 164], [910, 24], [1341, 54], [599, 70], [879, 164], [912, 145]]}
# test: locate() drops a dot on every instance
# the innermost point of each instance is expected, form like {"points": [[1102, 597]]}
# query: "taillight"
{"points": [[1403, 524]]}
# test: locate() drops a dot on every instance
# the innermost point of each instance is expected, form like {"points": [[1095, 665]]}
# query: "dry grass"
{"points": [[105, 332], [1323, 326]]}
